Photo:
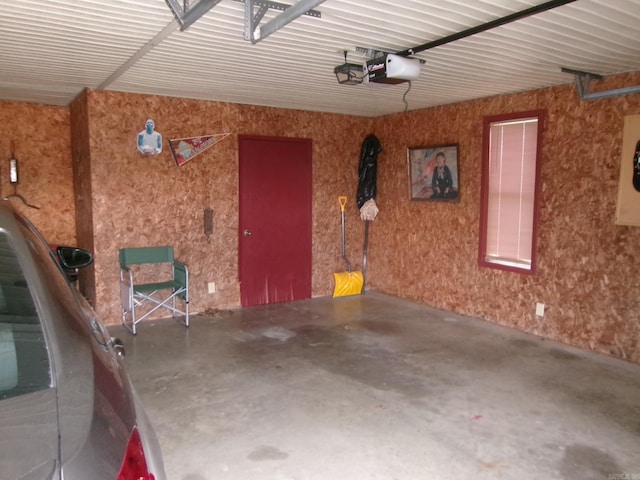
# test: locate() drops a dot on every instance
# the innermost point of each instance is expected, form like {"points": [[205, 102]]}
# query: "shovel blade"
{"points": [[347, 283]]}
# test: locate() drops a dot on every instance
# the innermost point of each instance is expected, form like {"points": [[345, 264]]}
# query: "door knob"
{"points": [[247, 233]]}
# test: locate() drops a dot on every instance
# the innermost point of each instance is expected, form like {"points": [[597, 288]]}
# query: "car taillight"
{"points": [[134, 465]]}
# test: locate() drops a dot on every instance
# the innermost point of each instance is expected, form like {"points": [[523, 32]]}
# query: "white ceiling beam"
{"points": [[156, 40]]}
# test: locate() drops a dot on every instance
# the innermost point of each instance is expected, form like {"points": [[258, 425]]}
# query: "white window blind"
{"points": [[511, 192]]}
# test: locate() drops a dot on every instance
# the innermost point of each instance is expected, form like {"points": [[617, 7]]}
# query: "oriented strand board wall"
{"points": [[81, 152], [588, 275], [588, 267], [142, 200], [41, 137]]}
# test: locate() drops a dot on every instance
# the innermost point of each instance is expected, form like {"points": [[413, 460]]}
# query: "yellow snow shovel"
{"points": [[346, 283]]}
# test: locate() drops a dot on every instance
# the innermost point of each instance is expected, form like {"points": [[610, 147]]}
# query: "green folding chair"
{"points": [[139, 300]]}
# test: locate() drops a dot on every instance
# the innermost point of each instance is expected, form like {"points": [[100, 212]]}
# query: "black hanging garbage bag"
{"points": [[368, 169], [367, 190]]}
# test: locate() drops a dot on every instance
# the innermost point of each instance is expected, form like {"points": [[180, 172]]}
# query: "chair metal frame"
{"points": [[134, 295]]}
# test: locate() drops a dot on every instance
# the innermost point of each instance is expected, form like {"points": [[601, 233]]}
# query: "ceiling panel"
{"points": [[51, 50]]}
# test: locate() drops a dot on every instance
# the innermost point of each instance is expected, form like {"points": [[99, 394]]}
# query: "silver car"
{"points": [[67, 408]]}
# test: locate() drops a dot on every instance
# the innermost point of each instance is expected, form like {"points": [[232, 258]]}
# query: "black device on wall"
{"points": [[208, 221]]}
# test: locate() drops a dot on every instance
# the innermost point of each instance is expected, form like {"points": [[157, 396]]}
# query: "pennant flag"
{"points": [[184, 149]]}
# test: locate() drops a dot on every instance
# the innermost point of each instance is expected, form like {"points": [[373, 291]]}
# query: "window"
{"points": [[510, 177], [24, 359]]}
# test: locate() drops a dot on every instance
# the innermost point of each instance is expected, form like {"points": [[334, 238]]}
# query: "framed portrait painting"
{"points": [[433, 173]]}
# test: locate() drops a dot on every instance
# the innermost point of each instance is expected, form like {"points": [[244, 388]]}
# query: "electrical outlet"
{"points": [[540, 309], [212, 287]]}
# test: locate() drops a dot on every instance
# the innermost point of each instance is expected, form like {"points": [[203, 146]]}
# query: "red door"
{"points": [[274, 220]]}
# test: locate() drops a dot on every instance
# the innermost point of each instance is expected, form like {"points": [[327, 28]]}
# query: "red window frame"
{"points": [[484, 212]]}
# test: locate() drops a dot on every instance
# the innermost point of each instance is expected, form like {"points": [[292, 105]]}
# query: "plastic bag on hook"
{"points": [[367, 170]]}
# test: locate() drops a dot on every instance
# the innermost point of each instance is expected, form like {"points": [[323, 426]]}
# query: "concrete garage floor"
{"points": [[373, 387]]}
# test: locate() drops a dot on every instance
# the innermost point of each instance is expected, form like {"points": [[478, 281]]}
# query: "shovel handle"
{"points": [[343, 202]]}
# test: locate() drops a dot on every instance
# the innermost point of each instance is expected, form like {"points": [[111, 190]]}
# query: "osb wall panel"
{"points": [[587, 267], [81, 158], [142, 200], [40, 135]]}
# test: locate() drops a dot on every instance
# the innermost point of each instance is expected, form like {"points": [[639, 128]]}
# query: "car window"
{"points": [[24, 360]]}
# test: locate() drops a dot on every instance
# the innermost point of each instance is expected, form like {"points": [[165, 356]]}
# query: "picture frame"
{"points": [[433, 173]]}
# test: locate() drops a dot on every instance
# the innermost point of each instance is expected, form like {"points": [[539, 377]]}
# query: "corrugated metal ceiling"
{"points": [[50, 50]]}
